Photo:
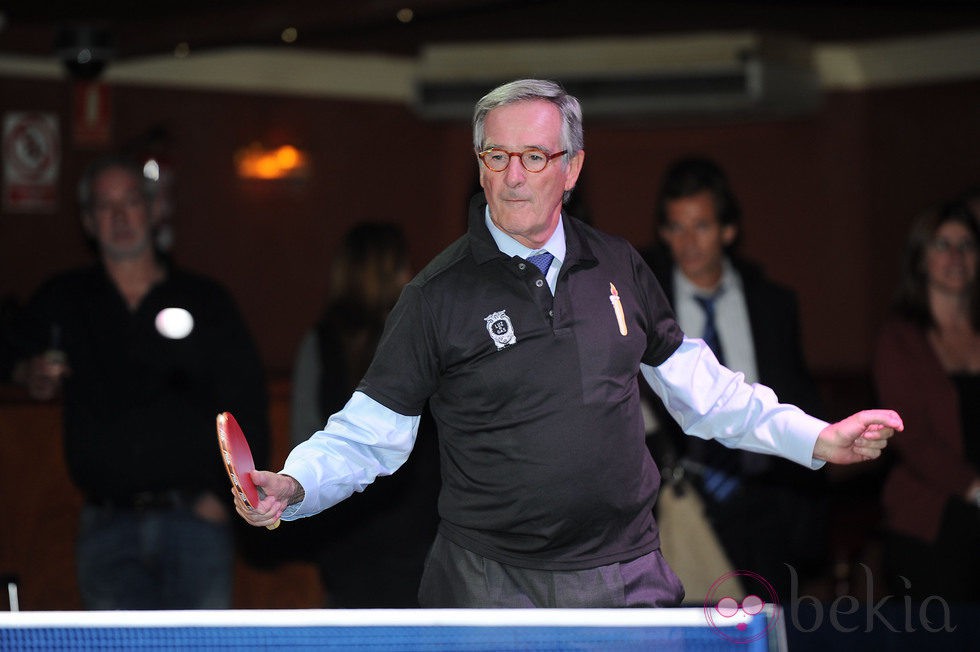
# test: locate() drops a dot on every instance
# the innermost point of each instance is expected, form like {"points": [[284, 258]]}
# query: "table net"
{"points": [[423, 630]]}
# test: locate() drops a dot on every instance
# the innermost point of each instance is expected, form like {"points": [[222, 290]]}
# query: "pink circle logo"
{"points": [[729, 617]]}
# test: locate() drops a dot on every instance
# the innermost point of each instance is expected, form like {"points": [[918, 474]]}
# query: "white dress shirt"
{"points": [[731, 318]]}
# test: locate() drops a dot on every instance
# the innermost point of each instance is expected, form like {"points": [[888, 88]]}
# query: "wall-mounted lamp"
{"points": [[258, 162]]}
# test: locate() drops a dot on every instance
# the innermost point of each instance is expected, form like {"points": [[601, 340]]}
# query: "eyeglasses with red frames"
{"points": [[533, 159]]}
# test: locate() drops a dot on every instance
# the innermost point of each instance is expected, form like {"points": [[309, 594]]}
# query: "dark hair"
{"points": [[366, 267], [912, 298], [367, 274], [691, 176]]}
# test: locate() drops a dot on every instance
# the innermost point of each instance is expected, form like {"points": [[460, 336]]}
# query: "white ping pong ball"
{"points": [[174, 323]]}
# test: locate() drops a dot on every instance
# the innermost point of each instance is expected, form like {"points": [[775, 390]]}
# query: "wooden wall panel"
{"points": [[37, 546]]}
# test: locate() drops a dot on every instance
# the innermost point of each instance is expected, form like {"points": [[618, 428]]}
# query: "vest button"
{"points": [[521, 266], [539, 282]]}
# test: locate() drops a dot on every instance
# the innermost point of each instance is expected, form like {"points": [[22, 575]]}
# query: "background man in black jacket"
{"points": [[766, 513], [144, 356]]}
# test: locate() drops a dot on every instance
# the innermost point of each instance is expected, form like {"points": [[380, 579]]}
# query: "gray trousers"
{"points": [[457, 578]]}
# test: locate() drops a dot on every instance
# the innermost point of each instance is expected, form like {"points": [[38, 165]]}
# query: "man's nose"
{"points": [[118, 213], [685, 238], [515, 172]]}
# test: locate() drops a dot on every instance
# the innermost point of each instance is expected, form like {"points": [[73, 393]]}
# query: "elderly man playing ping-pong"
{"points": [[527, 337]]}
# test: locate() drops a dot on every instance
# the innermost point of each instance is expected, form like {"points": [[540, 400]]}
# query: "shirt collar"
{"points": [[729, 280], [511, 247]]}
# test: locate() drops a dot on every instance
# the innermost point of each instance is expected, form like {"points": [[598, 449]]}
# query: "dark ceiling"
{"points": [[146, 28]]}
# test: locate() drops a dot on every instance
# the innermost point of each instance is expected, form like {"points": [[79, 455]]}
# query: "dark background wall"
{"points": [[827, 197]]}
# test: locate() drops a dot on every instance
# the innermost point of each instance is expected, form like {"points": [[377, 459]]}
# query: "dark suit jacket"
{"points": [[775, 324]]}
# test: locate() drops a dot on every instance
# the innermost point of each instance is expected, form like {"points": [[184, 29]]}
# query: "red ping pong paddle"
{"points": [[237, 457]]}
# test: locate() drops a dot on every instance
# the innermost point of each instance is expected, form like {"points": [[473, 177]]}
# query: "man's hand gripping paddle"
{"points": [[238, 460]]}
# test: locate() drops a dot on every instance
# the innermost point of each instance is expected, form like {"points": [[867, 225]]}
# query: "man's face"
{"points": [[696, 238], [119, 217], [527, 205]]}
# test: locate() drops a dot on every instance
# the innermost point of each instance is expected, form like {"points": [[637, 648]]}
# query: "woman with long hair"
{"points": [[927, 366], [370, 548], [367, 274]]}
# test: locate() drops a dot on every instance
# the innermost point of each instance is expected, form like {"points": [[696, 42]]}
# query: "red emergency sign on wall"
{"points": [[91, 114], [31, 162]]}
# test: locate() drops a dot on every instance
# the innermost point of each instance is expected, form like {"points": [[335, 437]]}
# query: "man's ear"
{"points": [[574, 169], [728, 234]]}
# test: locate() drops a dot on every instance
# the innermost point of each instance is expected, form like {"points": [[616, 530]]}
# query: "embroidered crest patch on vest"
{"points": [[500, 328]]}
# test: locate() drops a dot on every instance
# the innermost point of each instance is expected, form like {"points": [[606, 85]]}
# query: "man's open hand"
{"points": [[857, 438]]}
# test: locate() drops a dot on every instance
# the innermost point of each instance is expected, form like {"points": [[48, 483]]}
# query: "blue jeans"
{"points": [[153, 559]]}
